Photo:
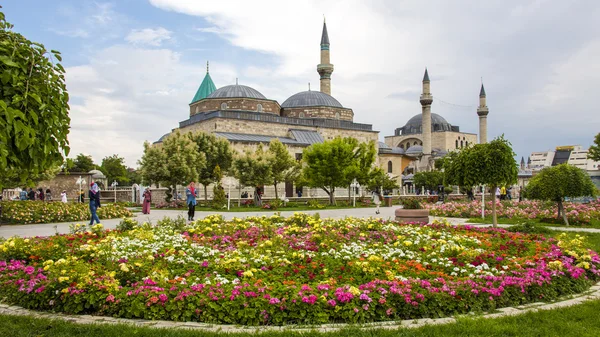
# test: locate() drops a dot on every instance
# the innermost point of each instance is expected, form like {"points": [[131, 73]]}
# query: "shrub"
{"points": [[28, 212], [172, 204], [411, 203], [529, 228], [314, 203], [127, 224]]}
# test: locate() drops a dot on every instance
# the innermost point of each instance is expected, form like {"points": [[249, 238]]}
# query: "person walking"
{"points": [[503, 193], [147, 200], [41, 195], [48, 195], [498, 193], [191, 194], [31, 194], [63, 196], [23, 194], [377, 200], [94, 195]]}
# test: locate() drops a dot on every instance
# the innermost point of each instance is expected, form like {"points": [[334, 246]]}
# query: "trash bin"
{"points": [[388, 200]]}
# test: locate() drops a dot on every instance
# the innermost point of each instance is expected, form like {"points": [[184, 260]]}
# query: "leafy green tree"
{"points": [[219, 198], [559, 182], [594, 152], [430, 180], [217, 151], [34, 109], [183, 162], [153, 165], [330, 165], [253, 169], [114, 168], [380, 179], [134, 176], [492, 164], [83, 163], [283, 166]]}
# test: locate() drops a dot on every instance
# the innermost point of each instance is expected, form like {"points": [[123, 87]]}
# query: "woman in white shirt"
{"points": [[63, 196]]}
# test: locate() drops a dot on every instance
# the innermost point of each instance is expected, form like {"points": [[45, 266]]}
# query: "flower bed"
{"points": [[579, 214], [28, 212], [287, 271]]}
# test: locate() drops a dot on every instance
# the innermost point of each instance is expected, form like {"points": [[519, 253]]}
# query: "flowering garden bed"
{"points": [[577, 213], [280, 271], [28, 212]]}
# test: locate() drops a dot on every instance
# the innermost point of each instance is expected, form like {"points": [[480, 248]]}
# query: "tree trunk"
{"points": [[257, 198], [332, 197], [276, 194], [561, 210], [494, 218], [349, 194], [205, 193]]}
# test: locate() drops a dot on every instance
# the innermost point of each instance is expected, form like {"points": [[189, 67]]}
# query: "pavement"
{"points": [[387, 213]]}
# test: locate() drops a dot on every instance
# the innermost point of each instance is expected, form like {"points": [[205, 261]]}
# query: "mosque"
{"points": [[246, 118]]}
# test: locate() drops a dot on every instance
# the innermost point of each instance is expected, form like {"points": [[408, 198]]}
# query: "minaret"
{"points": [[482, 111], [325, 68], [426, 100], [522, 163]]}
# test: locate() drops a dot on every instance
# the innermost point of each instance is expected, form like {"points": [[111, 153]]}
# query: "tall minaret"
{"points": [[482, 111], [426, 100], [325, 68]]}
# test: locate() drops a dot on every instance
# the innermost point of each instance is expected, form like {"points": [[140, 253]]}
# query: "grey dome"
{"points": [[162, 138], [414, 150], [311, 98], [413, 126], [236, 91]]}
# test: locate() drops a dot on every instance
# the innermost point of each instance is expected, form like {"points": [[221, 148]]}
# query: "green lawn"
{"points": [[581, 320]]}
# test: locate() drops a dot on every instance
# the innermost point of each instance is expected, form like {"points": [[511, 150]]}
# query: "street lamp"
{"points": [[114, 185], [354, 186], [80, 181]]}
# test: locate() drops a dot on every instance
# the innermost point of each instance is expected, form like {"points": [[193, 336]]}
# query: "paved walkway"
{"points": [[7, 231]]}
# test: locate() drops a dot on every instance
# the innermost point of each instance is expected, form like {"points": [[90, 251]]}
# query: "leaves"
{"points": [[594, 151]]}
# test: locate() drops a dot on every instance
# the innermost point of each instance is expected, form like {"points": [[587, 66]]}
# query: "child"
{"points": [[63, 196], [376, 200]]}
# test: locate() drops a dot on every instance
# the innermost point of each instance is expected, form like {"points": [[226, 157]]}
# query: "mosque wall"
{"points": [[319, 112], [245, 104]]}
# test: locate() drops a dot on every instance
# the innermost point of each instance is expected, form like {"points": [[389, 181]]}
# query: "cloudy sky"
{"points": [[133, 66]]}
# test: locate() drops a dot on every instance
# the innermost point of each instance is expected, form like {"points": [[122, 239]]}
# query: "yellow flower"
{"points": [[407, 243], [354, 291], [65, 290], [124, 267], [248, 273]]}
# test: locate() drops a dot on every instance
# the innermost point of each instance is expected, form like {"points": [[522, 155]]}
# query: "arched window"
{"points": [[461, 144], [466, 143], [415, 143], [259, 108], [337, 115], [197, 108], [421, 143], [402, 146], [390, 166], [301, 115], [456, 143], [223, 106], [436, 127]]}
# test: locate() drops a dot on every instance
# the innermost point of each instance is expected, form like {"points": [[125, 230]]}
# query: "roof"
{"points": [[482, 91], [206, 88], [161, 139], [324, 35], [299, 137], [311, 98], [426, 76], [414, 150], [97, 174], [236, 91], [306, 137]]}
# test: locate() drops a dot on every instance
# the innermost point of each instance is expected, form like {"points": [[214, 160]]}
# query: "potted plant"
{"points": [[412, 211]]}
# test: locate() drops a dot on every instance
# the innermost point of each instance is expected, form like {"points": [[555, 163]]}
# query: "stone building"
{"points": [[246, 118]]}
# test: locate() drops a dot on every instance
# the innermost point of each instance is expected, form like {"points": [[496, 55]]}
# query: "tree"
{"points": [[253, 169], [430, 180], [330, 165], [114, 168], [283, 166], [380, 179], [183, 162], [559, 182], [34, 109], [492, 164], [219, 198], [83, 163], [134, 176], [594, 152], [217, 151], [153, 165]]}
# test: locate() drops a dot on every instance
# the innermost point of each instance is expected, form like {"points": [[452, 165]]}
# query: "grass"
{"points": [[580, 320], [595, 223]]}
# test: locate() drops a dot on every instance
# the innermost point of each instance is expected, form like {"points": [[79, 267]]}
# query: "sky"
{"points": [[133, 66]]}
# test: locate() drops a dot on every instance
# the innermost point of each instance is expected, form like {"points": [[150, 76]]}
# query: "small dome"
{"points": [[161, 139], [438, 123], [311, 98], [97, 174], [383, 145], [414, 150], [236, 91]]}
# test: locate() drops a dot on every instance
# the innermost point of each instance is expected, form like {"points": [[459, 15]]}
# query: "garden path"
{"points": [[7, 231]]}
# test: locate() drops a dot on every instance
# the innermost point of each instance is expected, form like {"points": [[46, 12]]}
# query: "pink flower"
{"points": [[163, 298], [332, 303], [110, 298]]}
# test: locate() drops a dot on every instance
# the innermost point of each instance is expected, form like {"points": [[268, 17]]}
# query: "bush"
{"points": [[411, 203], [314, 203], [172, 204], [28, 212], [127, 224], [529, 228]]}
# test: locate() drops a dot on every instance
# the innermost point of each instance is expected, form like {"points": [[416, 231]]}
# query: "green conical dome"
{"points": [[206, 88]]}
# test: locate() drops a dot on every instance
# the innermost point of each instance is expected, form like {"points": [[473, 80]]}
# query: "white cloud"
{"points": [[149, 36], [380, 50]]}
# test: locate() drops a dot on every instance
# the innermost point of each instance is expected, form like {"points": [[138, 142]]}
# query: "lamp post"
{"points": [[483, 201], [114, 185], [354, 186], [228, 192], [80, 181]]}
